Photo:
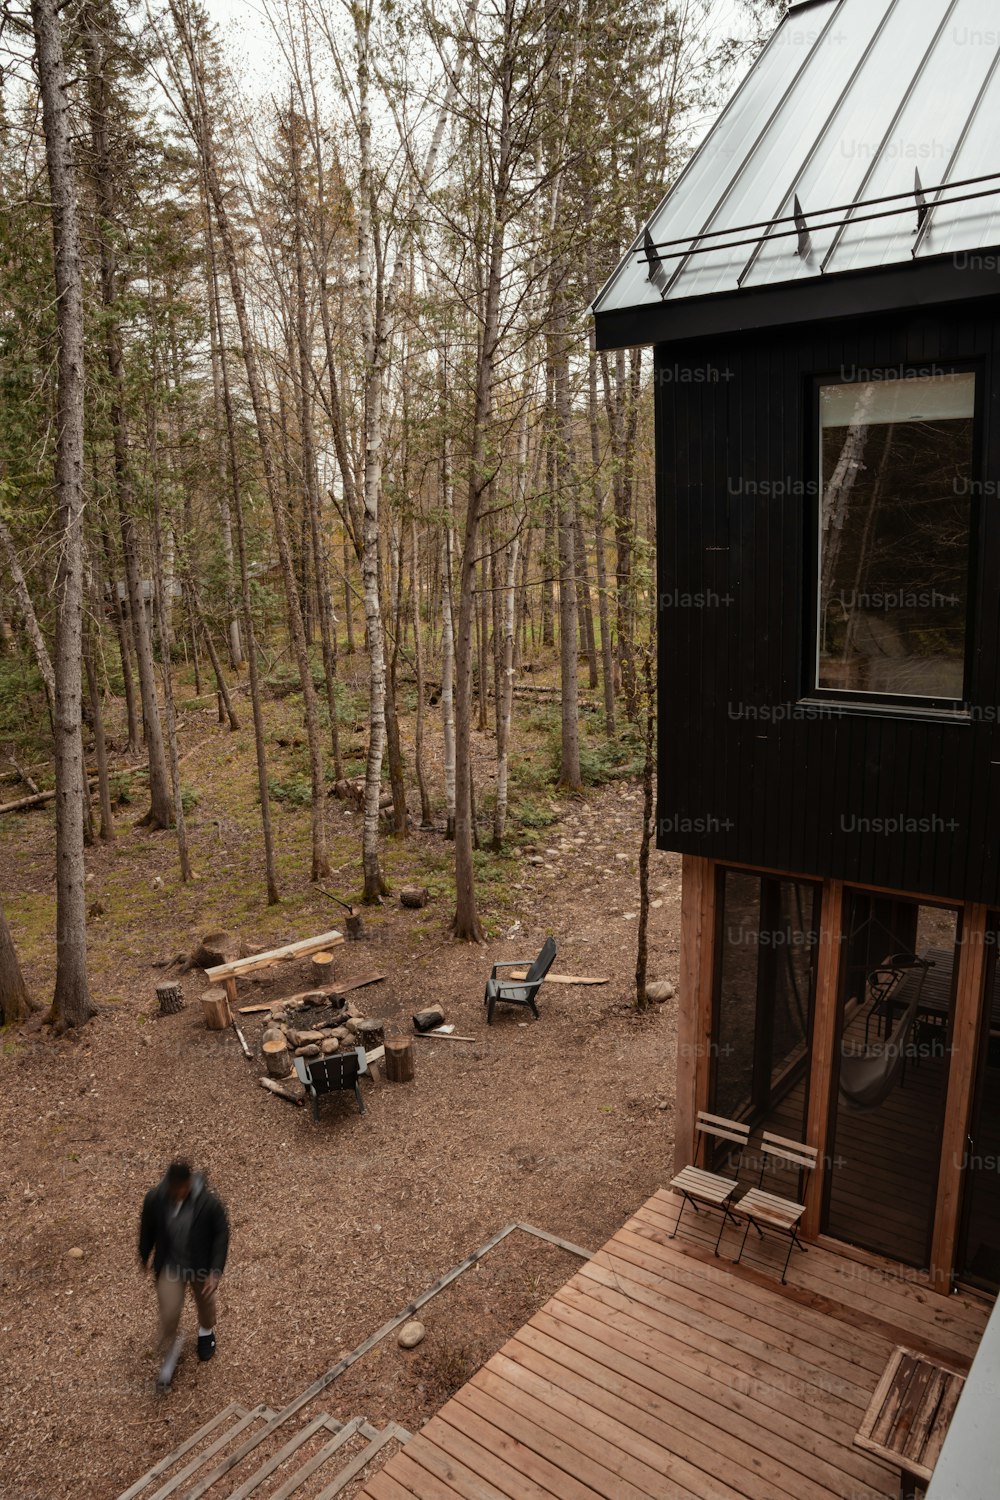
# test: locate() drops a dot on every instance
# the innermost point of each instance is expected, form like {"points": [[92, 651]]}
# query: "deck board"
{"points": [[660, 1372]]}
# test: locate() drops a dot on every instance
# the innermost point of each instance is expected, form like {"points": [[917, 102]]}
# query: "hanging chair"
{"points": [[867, 1078]]}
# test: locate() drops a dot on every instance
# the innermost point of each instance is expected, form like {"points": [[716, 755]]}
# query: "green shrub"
{"points": [[295, 792]]}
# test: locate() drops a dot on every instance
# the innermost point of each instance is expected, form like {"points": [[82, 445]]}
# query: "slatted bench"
{"points": [[227, 974], [908, 1417]]}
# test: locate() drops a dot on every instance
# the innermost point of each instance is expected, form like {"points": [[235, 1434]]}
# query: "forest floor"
{"points": [[565, 1123]]}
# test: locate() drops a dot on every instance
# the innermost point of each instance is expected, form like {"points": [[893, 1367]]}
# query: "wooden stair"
{"points": [[255, 1454]]}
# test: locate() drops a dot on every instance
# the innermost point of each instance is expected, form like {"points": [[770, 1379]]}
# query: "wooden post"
{"points": [[694, 1016], [399, 1059], [171, 996], [215, 1005], [370, 1034], [961, 1087], [321, 968], [277, 1058], [824, 1042]]}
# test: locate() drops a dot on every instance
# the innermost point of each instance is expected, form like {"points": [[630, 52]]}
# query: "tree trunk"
{"points": [[24, 603], [99, 106], [505, 702], [426, 818], [246, 598], [71, 1003], [15, 1002], [100, 743], [448, 654], [121, 631], [569, 768], [196, 106]]}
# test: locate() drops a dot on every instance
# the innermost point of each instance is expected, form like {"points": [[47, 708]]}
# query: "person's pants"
{"points": [[170, 1289]]}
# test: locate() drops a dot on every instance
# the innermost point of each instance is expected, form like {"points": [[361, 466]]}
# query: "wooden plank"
{"points": [[824, 1042], [961, 1086], [628, 1475], [522, 973], [756, 1462], [937, 1435], [305, 1432], [233, 1409], [347, 985], [542, 1455], [317, 1460], [301, 949], [493, 1456], [174, 1483], [357, 1463], [432, 1466]]}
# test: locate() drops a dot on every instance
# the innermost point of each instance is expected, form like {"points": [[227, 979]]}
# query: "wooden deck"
{"points": [[659, 1371]]}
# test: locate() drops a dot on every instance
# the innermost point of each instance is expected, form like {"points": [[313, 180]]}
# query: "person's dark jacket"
{"points": [[208, 1239]]}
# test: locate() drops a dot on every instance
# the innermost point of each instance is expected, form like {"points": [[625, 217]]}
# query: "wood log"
{"points": [[321, 968], [215, 1005], [399, 1056], [353, 925], [414, 896], [426, 1020], [277, 1058], [370, 1034], [171, 997], [285, 1088]]}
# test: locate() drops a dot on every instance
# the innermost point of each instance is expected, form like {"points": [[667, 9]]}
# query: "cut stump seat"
{"points": [[908, 1416], [227, 974]]}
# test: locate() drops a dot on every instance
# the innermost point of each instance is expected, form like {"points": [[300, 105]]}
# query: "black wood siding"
{"points": [[748, 772]]}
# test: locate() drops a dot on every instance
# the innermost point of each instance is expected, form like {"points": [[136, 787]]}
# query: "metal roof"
{"points": [[864, 136]]}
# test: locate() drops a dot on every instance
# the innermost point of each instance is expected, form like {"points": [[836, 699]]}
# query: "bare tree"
{"points": [[71, 1004]]}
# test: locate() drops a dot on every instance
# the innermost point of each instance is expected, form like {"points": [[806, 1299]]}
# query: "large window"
{"points": [[766, 954], [896, 481]]}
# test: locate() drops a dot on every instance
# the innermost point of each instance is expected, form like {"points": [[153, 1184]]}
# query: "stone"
{"points": [[311, 1050], [535, 859], [76, 1253], [659, 991], [411, 1334], [343, 1033], [303, 1038], [329, 1046], [353, 1025]]}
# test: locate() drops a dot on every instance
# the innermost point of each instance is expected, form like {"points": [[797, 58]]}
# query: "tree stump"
{"points": [[414, 896], [215, 1005], [370, 1034], [171, 997], [427, 1020], [277, 1058], [321, 968], [353, 925], [399, 1059]]}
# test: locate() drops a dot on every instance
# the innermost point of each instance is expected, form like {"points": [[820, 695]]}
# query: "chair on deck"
{"points": [[883, 986], [711, 1189], [769, 1210], [333, 1075], [519, 991]]}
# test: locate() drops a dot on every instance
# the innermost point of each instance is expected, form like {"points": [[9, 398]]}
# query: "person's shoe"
{"points": [[169, 1365], [206, 1346]]}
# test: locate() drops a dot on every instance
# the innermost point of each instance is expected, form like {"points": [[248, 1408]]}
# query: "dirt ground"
{"points": [[565, 1123]]}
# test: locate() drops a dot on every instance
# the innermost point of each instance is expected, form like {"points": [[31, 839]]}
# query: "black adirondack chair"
{"points": [[332, 1075], [519, 991]]}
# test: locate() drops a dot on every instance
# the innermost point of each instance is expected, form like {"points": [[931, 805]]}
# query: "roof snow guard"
{"points": [[862, 142]]}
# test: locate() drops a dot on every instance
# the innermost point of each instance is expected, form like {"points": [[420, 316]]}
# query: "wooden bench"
{"points": [[227, 974], [908, 1416]]}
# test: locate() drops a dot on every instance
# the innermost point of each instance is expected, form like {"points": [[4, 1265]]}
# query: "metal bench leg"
{"points": [[726, 1216], [684, 1200], [793, 1243]]}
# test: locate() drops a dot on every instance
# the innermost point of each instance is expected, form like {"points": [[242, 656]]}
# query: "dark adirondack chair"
{"points": [[332, 1075], [519, 991]]}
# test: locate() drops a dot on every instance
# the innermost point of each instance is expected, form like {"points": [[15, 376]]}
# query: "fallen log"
{"points": [[285, 1088], [560, 978]]}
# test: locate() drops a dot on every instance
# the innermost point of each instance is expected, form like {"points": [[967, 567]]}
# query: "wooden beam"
{"points": [[824, 1041], [301, 949], [694, 1012], [961, 1087]]}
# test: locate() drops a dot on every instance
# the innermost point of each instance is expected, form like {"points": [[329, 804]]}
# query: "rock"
{"points": [[343, 1034], [77, 1254], [353, 1025], [312, 1050], [411, 1334], [354, 1010], [157, 883], [659, 991], [303, 1038], [535, 859], [329, 1046]]}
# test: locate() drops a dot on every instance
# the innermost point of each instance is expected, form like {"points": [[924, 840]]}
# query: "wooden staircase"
{"points": [[257, 1454]]}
